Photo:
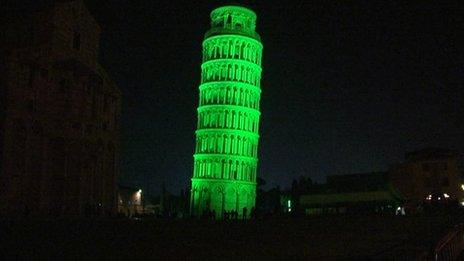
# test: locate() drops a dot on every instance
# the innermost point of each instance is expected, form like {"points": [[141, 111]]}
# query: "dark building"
{"points": [[426, 173], [59, 114], [174, 205], [353, 193]]}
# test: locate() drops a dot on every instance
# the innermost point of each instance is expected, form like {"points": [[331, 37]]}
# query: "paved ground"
{"points": [[335, 237]]}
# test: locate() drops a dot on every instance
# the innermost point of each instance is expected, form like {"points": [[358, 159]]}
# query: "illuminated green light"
{"points": [[289, 204], [227, 135]]}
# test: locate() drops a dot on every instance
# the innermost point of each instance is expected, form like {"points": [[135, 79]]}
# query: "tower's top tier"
{"points": [[233, 20]]}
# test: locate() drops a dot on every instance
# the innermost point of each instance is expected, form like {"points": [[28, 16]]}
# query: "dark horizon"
{"points": [[346, 87]]}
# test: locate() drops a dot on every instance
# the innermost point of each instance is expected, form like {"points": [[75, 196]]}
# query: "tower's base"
{"points": [[222, 198]]}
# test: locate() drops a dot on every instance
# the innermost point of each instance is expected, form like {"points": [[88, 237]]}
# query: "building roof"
{"points": [[430, 154], [344, 198], [352, 188], [234, 7]]}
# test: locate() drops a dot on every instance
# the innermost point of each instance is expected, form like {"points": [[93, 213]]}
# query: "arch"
{"points": [[224, 72], [233, 119], [228, 145], [238, 73], [226, 169], [242, 51], [239, 145], [241, 120], [224, 143], [232, 116], [243, 171], [223, 168], [233, 140]]}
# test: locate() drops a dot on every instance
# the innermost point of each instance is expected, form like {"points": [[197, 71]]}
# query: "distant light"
{"points": [[462, 203], [399, 208], [462, 186], [289, 210], [429, 197], [289, 204], [439, 198], [140, 191], [446, 195]]}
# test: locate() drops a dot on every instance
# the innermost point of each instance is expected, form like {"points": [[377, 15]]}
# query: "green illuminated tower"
{"points": [[225, 160]]}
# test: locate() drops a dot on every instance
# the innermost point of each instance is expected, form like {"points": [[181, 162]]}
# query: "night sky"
{"points": [[346, 87]]}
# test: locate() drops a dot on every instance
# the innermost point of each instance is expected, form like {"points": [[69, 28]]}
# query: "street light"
{"points": [[139, 198]]}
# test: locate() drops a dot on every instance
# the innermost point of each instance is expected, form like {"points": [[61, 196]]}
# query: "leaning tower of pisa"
{"points": [[226, 154]]}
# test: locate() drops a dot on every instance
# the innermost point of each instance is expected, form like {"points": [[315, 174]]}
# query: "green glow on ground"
{"points": [[226, 153]]}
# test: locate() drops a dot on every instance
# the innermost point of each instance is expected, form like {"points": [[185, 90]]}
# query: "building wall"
{"points": [[61, 126], [419, 177], [2, 113]]}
